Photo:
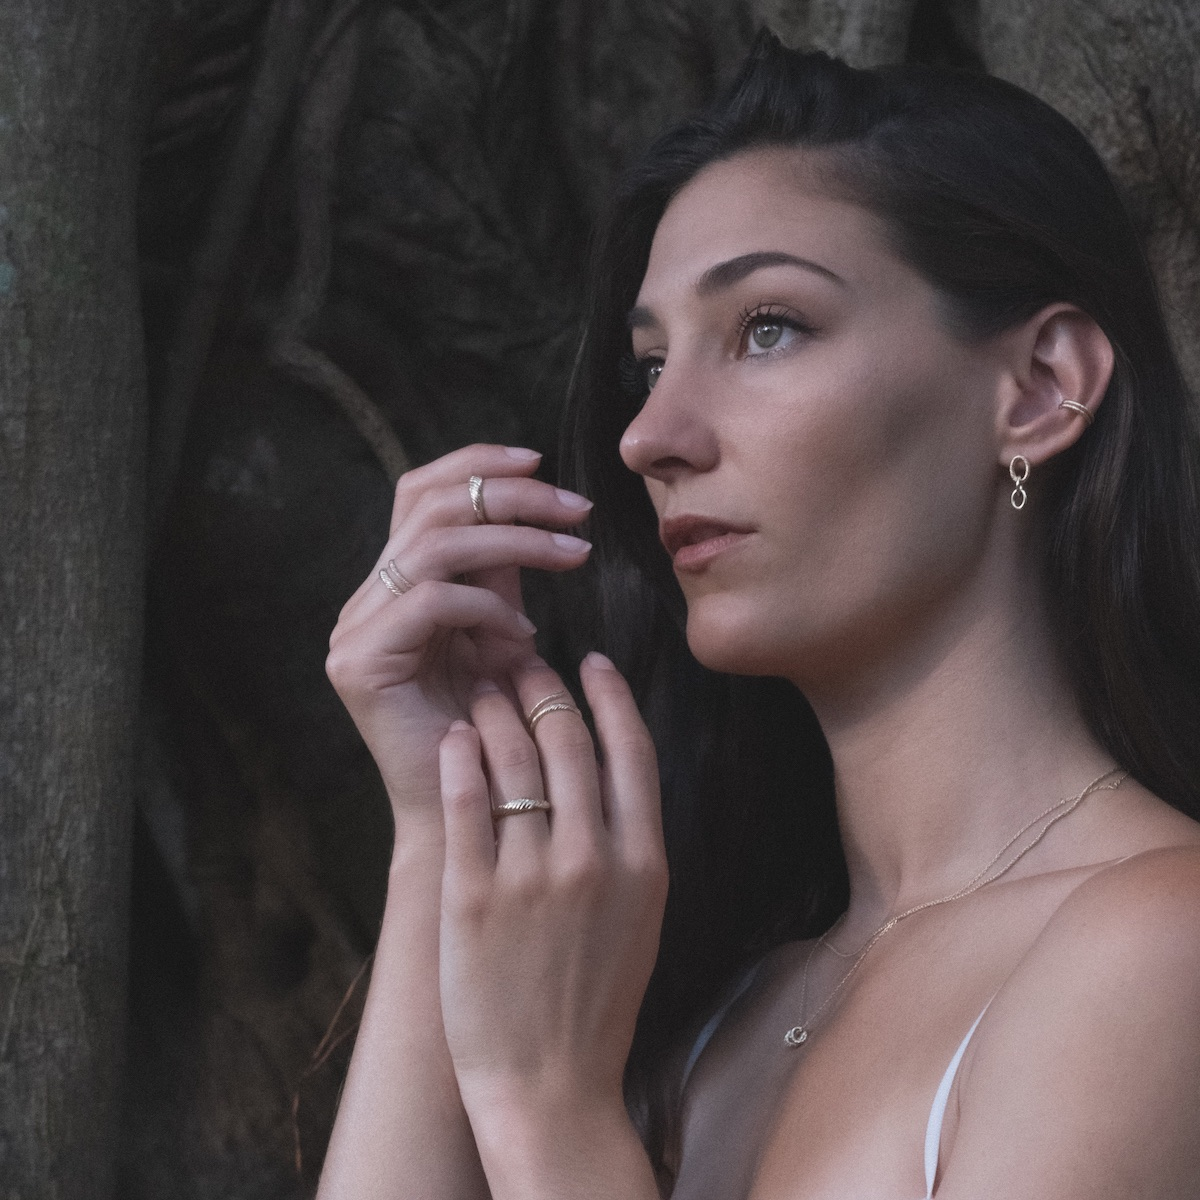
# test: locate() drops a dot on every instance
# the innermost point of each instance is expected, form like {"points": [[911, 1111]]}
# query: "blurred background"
{"points": [[257, 257]]}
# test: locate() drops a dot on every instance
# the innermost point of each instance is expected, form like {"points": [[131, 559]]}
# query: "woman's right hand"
{"points": [[405, 665]]}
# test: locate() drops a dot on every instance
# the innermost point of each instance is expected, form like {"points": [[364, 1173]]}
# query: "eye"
{"points": [[765, 334], [764, 330], [639, 375]]}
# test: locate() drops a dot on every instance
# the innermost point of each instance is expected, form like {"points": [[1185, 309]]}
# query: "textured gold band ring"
{"points": [[523, 804], [475, 487]]}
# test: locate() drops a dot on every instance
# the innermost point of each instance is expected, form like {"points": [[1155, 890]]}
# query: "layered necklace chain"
{"points": [[799, 1034]]}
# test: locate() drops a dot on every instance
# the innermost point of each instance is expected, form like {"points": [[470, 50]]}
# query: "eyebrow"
{"points": [[725, 274]]}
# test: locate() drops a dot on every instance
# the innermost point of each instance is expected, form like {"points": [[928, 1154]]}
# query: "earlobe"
{"points": [[1062, 365]]}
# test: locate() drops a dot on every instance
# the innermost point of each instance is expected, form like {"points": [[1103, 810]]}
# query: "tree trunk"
{"points": [[72, 451]]}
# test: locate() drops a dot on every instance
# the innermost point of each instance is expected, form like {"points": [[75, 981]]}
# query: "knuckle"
{"points": [[408, 485], [513, 756], [342, 666], [464, 897], [462, 800], [637, 748], [526, 885], [584, 873], [568, 735], [648, 872]]}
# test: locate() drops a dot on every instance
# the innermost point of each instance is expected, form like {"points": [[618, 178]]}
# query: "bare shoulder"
{"points": [[1158, 889], [1084, 1076]]}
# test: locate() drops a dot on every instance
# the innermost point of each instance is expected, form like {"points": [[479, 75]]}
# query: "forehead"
{"points": [[770, 199]]}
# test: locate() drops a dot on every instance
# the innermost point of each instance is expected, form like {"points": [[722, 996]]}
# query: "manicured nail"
{"points": [[524, 623], [483, 687], [521, 453], [572, 499], [564, 541], [459, 726], [597, 660]]}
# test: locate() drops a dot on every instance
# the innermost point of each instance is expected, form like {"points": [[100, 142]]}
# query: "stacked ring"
{"points": [[475, 487], [394, 579], [555, 702], [523, 804]]}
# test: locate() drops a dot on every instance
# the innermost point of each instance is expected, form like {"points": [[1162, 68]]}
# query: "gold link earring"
{"points": [[1018, 469]]}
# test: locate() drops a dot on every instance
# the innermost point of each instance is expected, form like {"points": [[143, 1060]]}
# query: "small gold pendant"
{"points": [[796, 1036]]}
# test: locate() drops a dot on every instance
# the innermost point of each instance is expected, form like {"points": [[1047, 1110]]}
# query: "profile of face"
{"points": [[820, 448]]}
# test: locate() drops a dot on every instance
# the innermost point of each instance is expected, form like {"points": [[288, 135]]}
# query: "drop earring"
{"points": [[1018, 469]]}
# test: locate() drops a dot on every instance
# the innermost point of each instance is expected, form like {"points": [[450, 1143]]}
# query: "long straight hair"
{"points": [[1003, 207]]}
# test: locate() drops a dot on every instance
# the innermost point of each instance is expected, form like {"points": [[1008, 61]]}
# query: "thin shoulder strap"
{"points": [[933, 1131], [712, 1024]]}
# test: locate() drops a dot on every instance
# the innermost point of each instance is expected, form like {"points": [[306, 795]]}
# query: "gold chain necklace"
{"points": [[799, 1034]]}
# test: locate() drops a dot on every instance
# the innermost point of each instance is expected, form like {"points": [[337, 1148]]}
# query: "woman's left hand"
{"points": [[550, 920]]}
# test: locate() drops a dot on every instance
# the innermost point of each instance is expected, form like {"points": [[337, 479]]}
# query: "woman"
{"points": [[875, 400]]}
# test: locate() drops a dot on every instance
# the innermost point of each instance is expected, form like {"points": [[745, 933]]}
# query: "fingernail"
{"points": [[483, 687], [565, 541], [597, 660], [459, 726], [572, 499], [524, 623], [521, 453]]}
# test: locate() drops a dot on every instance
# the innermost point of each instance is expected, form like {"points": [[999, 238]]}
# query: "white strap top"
{"points": [[937, 1114]]}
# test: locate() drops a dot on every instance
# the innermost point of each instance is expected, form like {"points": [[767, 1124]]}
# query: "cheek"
{"points": [[874, 494]]}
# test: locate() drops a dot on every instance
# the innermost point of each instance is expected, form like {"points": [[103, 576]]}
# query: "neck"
{"points": [[943, 752]]}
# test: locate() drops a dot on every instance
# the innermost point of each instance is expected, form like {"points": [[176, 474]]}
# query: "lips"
{"points": [[692, 540]]}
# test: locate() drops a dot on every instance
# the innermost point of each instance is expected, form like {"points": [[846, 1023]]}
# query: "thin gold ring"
{"points": [[394, 579], [523, 804], [1081, 409], [475, 487], [545, 709], [389, 583]]}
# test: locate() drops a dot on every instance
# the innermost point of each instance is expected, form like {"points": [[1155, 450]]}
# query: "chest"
{"points": [[846, 1115]]}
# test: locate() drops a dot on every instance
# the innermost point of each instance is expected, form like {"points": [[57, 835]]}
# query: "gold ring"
{"points": [[523, 804], [475, 487], [394, 579], [555, 702], [389, 583], [1081, 409]]}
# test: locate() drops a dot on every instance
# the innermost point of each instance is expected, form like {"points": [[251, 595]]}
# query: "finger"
{"points": [[457, 467], [514, 772], [505, 500], [630, 771], [404, 628], [470, 843], [567, 754], [442, 554]]}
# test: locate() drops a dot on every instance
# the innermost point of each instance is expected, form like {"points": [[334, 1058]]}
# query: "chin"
{"points": [[721, 642]]}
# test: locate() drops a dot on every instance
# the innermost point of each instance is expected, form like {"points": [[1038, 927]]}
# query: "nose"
{"points": [[671, 436]]}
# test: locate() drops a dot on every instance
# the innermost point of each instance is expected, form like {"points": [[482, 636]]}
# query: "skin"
{"points": [[863, 451]]}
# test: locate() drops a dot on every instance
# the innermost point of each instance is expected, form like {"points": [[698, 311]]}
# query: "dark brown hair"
{"points": [[1003, 206]]}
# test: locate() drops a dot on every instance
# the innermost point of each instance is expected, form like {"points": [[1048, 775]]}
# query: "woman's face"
{"points": [[819, 449]]}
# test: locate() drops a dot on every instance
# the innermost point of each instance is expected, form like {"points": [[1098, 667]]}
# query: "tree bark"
{"points": [[72, 452]]}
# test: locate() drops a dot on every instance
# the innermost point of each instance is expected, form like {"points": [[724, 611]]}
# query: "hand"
{"points": [[550, 921], [404, 665]]}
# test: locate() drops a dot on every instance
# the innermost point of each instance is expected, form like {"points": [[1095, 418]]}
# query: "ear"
{"points": [[1059, 354]]}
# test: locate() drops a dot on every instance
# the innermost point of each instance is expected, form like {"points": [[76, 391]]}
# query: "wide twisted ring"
{"points": [[523, 804], [475, 487], [555, 702]]}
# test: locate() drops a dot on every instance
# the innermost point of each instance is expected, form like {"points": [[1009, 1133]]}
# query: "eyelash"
{"points": [[767, 314], [632, 370]]}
